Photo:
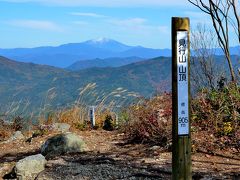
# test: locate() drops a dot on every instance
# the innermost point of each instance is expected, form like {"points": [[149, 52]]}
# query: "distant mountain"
{"points": [[233, 51], [146, 52], [48, 87], [108, 44], [102, 48], [108, 62], [65, 55]]}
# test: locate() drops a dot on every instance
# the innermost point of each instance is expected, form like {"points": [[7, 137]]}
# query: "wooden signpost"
{"points": [[181, 151]]}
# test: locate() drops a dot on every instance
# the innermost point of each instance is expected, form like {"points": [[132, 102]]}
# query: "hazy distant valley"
{"points": [[111, 65], [41, 84]]}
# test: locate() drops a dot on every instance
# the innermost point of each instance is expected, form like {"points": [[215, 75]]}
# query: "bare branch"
{"points": [[234, 6], [219, 12], [203, 8]]}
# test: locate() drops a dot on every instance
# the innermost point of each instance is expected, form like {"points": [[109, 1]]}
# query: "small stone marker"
{"points": [[92, 116]]}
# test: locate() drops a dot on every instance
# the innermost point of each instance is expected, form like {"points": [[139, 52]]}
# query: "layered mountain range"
{"points": [[41, 85], [51, 77], [65, 55]]}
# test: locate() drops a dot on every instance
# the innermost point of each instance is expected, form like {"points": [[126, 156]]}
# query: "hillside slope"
{"points": [[42, 85], [108, 62]]}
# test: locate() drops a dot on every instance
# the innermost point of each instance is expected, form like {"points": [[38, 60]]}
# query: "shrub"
{"points": [[18, 123], [218, 113], [149, 121], [5, 133], [81, 126], [108, 123], [218, 110], [6, 130]]}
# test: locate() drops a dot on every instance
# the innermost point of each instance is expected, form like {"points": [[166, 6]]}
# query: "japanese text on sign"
{"points": [[182, 73]]}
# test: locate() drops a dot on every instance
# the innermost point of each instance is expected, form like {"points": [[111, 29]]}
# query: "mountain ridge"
{"points": [[66, 54], [98, 62], [33, 83]]}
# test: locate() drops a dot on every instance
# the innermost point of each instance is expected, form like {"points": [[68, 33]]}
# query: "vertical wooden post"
{"points": [[181, 150]]}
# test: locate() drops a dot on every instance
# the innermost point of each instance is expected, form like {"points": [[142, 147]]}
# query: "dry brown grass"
{"points": [[77, 115]]}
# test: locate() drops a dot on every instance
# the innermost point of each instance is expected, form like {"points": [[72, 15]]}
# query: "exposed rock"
{"points": [[154, 148], [6, 170], [62, 143], [62, 127], [30, 167], [16, 135]]}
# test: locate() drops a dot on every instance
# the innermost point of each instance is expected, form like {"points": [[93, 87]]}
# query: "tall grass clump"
{"points": [[77, 113], [13, 118]]}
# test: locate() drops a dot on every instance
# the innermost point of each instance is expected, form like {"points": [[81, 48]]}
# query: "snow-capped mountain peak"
{"points": [[101, 40]]}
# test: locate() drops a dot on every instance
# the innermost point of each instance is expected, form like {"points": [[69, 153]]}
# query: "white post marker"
{"points": [[182, 85], [92, 116]]}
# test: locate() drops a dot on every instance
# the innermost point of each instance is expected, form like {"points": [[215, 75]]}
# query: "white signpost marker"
{"points": [[181, 115], [92, 116], [182, 73]]}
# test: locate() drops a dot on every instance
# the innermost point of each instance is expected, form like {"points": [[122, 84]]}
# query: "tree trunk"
{"points": [[233, 77]]}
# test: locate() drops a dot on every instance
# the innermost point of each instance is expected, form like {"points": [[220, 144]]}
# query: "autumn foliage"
{"points": [[149, 121]]}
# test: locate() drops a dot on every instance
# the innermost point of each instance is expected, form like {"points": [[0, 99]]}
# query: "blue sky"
{"points": [[32, 23]]}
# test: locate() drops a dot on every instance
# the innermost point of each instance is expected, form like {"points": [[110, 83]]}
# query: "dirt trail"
{"points": [[108, 157]]}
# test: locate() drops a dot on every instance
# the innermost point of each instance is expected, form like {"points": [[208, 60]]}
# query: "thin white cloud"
{"points": [[197, 17], [36, 24], [164, 29], [139, 25], [83, 23], [94, 15], [108, 3], [128, 22]]}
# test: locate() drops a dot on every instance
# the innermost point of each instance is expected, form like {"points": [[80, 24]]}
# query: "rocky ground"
{"points": [[107, 156]]}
